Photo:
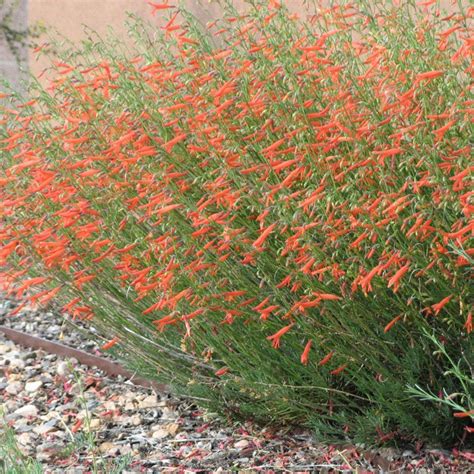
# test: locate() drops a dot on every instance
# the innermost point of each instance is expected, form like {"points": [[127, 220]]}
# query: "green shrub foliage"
{"points": [[268, 213]]}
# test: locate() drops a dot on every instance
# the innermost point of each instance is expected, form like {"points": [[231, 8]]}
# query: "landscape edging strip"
{"points": [[112, 369]]}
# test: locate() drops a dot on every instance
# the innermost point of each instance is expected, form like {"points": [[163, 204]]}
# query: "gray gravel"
{"points": [[72, 418]]}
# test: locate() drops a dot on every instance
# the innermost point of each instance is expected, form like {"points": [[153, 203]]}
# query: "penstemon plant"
{"points": [[461, 403], [267, 213]]}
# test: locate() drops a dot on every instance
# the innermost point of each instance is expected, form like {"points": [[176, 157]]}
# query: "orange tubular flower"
{"points": [[464, 414], [110, 344], [29, 283], [327, 296], [338, 370], [159, 6], [305, 354], [222, 371], [391, 324], [395, 280], [261, 240], [439, 306], [428, 75], [275, 338], [468, 325], [326, 359]]}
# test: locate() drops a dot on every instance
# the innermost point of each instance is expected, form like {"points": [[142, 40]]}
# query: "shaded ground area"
{"points": [[63, 416]]}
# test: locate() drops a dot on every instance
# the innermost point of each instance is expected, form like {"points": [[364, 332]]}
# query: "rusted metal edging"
{"points": [[112, 369]]}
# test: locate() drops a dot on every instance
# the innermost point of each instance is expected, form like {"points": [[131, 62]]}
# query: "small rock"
{"points": [[13, 354], [34, 386], [46, 378], [46, 451], [14, 388], [16, 363], [92, 404], [29, 328], [94, 424], [125, 449], [169, 414], [45, 427], [53, 329], [160, 434], [131, 406], [31, 373], [172, 428], [29, 356], [10, 406], [4, 348], [76, 389], [107, 447], [109, 405], [136, 420], [21, 426], [243, 443], [62, 369], [59, 434], [27, 410], [149, 402], [44, 456], [25, 439], [15, 378]]}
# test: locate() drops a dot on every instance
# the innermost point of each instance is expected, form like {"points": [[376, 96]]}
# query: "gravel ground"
{"points": [[72, 418]]}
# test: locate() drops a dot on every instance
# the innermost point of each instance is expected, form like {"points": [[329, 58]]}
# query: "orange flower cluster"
{"points": [[305, 181]]}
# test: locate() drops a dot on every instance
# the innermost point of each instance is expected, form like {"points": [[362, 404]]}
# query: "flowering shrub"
{"points": [[270, 214]]}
